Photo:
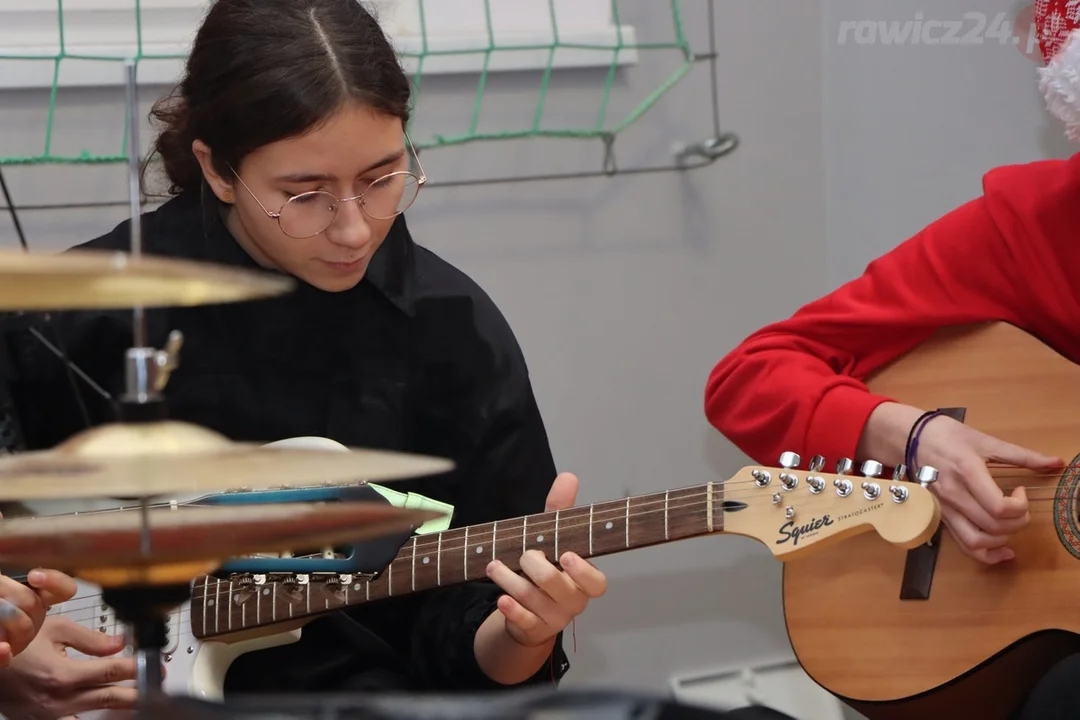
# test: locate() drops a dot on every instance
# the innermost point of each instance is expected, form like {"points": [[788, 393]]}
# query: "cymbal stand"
{"points": [[144, 607]]}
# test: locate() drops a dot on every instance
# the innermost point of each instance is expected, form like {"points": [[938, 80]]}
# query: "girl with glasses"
{"points": [[285, 149]]}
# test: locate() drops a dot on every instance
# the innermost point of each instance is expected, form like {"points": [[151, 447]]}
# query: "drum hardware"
{"points": [[145, 561]]}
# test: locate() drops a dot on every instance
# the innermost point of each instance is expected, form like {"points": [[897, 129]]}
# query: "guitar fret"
{"points": [[390, 579], [608, 537], [273, 604], [708, 506], [494, 538], [414, 563], [688, 514], [667, 493], [475, 553], [438, 562], [626, 523], [555, 533], [590, 530], [206, 595]]}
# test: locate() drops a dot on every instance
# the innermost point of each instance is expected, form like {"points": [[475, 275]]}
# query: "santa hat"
{"points": [[1057, 23]]}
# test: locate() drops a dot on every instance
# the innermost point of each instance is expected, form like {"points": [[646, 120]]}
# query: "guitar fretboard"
{"points": [[220, 607]]}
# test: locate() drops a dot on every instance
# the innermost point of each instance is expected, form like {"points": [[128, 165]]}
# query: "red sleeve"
{"points": [[798, 384]]}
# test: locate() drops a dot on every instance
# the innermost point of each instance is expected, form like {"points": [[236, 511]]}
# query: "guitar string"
{"points": [[427, 544], [698, 510], [90, 603], [694, 509], [185, 611], [602, 511], [615, 510]]}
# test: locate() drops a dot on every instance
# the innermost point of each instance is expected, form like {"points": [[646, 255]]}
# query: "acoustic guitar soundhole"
{"points": [[1067, 510]]}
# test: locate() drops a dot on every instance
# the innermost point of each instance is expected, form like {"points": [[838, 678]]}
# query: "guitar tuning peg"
{"points": [[789, 460], [843, 466], [927, 475], [898, 472], [872, 468], [816, 463]]}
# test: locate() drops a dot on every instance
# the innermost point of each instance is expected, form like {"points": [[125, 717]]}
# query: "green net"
{"points": [[604, 127]]}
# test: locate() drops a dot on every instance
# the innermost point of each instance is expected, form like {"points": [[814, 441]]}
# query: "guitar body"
{"points": [[983, 635], [193, 668]]}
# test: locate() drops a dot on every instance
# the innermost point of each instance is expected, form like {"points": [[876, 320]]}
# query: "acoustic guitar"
{"points": [[928, 632]]}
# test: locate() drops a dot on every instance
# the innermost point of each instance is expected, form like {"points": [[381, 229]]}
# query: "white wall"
{"points": [[911, 128]]}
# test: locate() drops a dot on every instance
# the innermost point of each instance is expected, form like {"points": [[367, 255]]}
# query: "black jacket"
{"points": [[415, 358]]}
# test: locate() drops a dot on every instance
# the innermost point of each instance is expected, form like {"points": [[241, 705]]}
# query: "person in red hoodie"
{"points": [[1008, 255]]}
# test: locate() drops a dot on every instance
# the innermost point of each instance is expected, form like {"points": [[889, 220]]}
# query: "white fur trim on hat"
{"points": [[1059, 82]]}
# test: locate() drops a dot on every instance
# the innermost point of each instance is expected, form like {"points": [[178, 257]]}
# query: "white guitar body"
{"points": [[192, 668]]}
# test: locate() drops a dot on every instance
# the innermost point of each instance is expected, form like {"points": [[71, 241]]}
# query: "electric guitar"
{"points": [[929, 632], [789, 511]]}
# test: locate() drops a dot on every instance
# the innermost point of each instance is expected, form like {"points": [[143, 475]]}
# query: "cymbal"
{"points": [[149, 460], [108, 280], [186, 541]]}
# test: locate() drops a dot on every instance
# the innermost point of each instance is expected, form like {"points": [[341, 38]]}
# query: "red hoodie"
{"points": [[1012, 255]]}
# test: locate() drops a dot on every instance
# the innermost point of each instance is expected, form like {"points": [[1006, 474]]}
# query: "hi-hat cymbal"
{"points": [[168, 458], [186, 541], [108, 280]]}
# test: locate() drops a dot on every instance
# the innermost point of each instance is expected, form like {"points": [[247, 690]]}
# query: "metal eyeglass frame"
{"points": [[420, 180]]}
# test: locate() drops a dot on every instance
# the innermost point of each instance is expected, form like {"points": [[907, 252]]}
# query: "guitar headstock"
{"points": [[793, 511]]}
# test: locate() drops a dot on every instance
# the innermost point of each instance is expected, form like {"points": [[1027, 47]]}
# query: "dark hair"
{"points": [[265, 70]]}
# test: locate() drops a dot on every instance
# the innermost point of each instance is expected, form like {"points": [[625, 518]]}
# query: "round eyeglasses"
{"points": [[308, 214]]}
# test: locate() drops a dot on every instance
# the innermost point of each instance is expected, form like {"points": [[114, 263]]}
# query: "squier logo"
{"points": [[788, 531]]}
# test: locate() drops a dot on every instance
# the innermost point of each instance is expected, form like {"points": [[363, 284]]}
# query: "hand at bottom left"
{"points": [[43, 683]]}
